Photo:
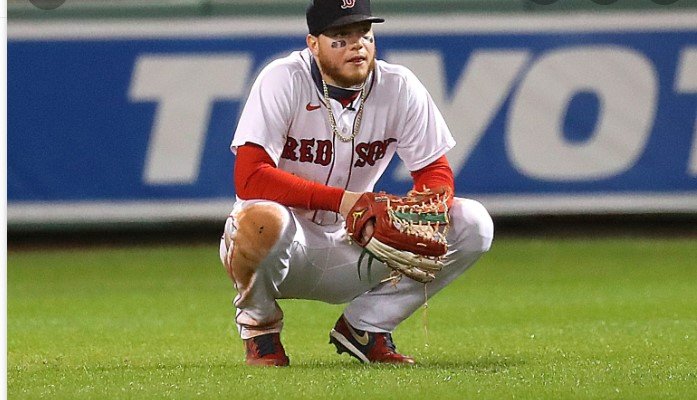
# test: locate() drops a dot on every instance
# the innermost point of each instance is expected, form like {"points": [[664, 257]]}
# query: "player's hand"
{"points": [[347, 202]]}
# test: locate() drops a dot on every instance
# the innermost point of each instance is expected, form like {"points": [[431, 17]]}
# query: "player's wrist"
{"points": [[348, 200]]}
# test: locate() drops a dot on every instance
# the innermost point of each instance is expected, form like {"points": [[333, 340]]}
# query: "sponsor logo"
{"points": [[363, 340], [356, 216], [312, 107]]}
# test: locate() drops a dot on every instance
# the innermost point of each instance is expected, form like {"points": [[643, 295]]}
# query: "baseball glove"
{"points": [[409, 233]]}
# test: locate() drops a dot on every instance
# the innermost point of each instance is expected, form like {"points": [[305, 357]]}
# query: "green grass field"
{"points": [[603, 318]]}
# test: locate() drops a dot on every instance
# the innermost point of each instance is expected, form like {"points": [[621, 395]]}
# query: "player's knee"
{"points": [[258, 228], [476, 225]]}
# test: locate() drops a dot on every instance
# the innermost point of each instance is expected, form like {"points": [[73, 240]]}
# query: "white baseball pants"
{"points": [[316, 262]]}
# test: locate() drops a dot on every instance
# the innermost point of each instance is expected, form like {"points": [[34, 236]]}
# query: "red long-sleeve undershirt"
{"points": [[256, 177]]}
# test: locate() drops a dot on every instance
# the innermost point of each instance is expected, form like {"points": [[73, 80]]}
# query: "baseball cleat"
{"points": [[266, 350], [367, 347]]}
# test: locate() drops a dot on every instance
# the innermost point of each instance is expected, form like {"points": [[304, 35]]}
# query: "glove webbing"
{"points": [[394, 276]]}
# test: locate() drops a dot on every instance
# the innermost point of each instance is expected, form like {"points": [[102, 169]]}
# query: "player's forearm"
{"points": [[256, 177], [271, 183]]}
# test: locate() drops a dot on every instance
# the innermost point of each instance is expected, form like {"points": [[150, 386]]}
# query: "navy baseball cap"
{"points": [[325, 14]]}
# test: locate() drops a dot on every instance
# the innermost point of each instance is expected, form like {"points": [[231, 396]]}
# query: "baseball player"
{"points": [[319, 128]]}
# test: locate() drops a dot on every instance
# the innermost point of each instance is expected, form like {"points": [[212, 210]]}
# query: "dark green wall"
{"points": [[22, 9]]}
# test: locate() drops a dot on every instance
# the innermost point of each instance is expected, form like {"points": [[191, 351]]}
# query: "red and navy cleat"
{"points": [[368, 347], [266, 350]]}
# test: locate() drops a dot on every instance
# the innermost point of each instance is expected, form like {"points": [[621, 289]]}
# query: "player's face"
{"points": [[346, 54]]}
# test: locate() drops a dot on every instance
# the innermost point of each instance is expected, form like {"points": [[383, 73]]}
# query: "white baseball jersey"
{"points": [[286, 114]]}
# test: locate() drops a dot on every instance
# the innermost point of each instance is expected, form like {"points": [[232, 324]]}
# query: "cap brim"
{"points": [[352, 19]]}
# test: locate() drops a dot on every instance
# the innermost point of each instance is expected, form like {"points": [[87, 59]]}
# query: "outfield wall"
{"points": [[126, 120], [85, 9]]}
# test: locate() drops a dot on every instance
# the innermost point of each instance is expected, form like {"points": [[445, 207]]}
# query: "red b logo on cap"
{"points": [[348, 4]]}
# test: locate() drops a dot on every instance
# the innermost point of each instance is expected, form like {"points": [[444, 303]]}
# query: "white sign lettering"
{"points": [[476, 97], [626, 85], [185, 88], [686, 82]]}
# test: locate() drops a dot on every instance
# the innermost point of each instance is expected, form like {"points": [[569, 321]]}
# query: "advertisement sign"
{"points": [[132, 120]]}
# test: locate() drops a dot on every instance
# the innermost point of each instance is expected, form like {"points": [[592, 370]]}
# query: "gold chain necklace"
{"points": [[332, 121]]}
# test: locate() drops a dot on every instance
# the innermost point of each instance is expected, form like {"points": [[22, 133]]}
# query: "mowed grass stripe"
{"points": [[603, 318]]}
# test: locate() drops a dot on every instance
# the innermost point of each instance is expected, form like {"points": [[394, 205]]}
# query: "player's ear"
{"points": [[312, 43]]}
